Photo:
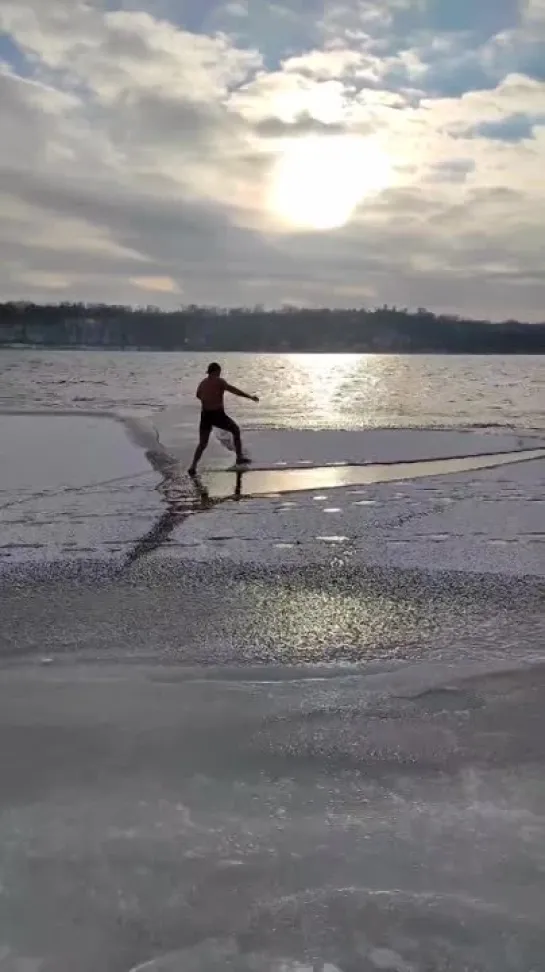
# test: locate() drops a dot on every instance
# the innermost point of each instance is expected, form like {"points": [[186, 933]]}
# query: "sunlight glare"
{"points": [[323, 375], [318, 182]]}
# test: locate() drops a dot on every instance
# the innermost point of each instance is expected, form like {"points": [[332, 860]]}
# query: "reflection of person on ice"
{"points": [[210, 394]]}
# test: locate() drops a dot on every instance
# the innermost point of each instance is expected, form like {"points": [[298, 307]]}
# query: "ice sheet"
{"points": [[79, 486], [492, 520], [257, 742], [71, 486], [293, 448], [213, 826]]}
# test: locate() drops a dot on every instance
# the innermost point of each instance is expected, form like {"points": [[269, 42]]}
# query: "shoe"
{"points": [[192, 472], [243, 461]]}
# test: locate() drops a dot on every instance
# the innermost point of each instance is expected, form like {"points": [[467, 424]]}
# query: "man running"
{"points": [[210, 394]]}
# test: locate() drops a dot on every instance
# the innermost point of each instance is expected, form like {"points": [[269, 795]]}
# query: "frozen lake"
{"points": [[291, 723]]}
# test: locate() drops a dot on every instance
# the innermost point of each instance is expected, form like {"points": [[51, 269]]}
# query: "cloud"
{"points": [[453, 170], [139, 146], [156, 285], [237, 8], [116, 52]]}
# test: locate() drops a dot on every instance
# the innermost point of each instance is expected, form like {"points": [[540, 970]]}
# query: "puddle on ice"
{"points": [[264, 482]]}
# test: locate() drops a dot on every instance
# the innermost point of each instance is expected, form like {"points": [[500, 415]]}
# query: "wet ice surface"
{"points": [[237, 741], [78, 487], [71, 487], [301, 448], [484, 520], [365, 823]]}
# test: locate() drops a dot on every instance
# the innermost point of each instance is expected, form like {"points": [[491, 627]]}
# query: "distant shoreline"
{"points": [[386, 352], [288, 330]]}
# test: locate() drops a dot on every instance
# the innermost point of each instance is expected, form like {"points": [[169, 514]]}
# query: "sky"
{"points": [[346, 153]]}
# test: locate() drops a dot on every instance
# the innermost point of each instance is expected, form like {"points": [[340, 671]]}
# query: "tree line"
{"points": [[200, 328]]}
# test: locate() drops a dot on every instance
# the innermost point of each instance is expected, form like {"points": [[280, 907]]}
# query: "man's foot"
{"points": [[192, 471], [243, 461]]}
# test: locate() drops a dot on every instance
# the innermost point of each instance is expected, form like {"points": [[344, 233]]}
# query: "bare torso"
{"points": [[210, 392]]}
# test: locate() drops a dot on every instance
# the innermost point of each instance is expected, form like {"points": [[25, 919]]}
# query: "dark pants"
{"points": [[218, 420]]}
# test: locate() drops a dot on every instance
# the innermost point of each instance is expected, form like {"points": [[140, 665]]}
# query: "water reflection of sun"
{"points": [[318, 182], [337, 391], [323, 375]]}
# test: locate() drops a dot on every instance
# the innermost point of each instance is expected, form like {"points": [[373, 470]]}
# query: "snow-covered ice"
{"points": [[487, 520], [299, 732], [78, 486]]}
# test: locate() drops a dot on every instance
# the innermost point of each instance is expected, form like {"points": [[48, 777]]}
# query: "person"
{"points": [[213, 416]]}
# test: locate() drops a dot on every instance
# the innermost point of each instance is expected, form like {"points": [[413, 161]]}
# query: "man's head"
{"points": [[214, 370]]}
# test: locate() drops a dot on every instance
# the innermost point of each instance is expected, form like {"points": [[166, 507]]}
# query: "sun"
{"points": [[318, 182]]}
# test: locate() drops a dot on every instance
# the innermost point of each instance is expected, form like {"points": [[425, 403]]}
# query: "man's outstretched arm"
{"points": [[240, 394]]}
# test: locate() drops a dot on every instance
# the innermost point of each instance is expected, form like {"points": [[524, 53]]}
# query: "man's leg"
{"points": [[204, 436], [230, 426]]}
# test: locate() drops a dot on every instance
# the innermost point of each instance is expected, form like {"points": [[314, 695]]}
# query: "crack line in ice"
{"points": [[88, 487]]}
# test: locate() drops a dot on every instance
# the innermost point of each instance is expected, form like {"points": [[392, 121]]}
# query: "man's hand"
{"points": [[241, 394]]}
